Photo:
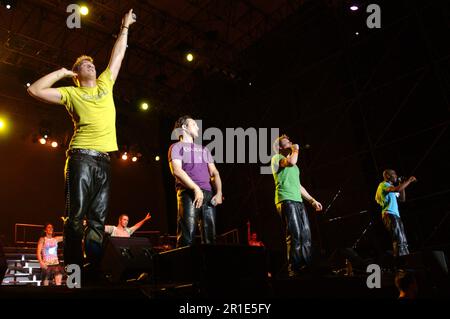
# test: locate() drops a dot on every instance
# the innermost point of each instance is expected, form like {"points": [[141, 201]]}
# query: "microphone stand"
{"points": [[322, 251], [332, 201], [355, 245], [346, 216]]}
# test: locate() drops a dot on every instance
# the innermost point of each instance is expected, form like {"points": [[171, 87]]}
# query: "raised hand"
{"points": [[128, 19]]}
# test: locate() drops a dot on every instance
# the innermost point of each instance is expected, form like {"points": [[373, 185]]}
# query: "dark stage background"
{"points": [[362, 102]]}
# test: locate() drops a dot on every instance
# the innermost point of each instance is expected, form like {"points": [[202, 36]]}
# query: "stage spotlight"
{"points": [[190, 57], [157, 158], [134, 159], [28, 84], [144, 106], [2, 124], [42, 141], [54, 144], [354, 7], [125, 156], [249, 83], [9, 4], [84, 10], [356, 33]]}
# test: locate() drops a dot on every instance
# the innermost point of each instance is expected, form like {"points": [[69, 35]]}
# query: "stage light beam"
{"points": [[134, 159], [190, 57], [42, 141], [157, 158], [144, 106], [125, 156], [54, 144]]}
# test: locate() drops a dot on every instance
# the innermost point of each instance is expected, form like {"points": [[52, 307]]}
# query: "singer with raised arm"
{"points": [[388, 192], [196, 179], [289, 196], [87, 172], [122, 229]]}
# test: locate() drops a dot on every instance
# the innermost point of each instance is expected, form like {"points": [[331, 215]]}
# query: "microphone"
{"points": [[302, 147]]}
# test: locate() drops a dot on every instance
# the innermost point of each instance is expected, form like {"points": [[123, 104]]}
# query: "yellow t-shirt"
{"points": [[93, 114]]}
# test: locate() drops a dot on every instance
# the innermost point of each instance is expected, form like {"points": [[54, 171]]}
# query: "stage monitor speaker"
{"points": [[3, 263], [127, 258], [217, 269], [434, 261], [431, 266]]}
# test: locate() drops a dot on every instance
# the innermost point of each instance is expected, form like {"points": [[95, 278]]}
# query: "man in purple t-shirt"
{"points": [[193, 168]]}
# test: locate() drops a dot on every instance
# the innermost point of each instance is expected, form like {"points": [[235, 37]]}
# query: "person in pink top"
{"points": [[121, 230], [47, 254]]}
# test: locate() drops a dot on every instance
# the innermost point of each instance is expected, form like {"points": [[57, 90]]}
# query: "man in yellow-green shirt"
{"points": [[87, 170], [289, 195]]}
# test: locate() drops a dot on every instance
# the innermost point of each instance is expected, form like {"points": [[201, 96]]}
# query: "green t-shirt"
{"points": [[287, 181], [93, 114]]}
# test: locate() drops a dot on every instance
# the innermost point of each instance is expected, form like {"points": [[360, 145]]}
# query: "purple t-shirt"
{"points": [[195, 159]]}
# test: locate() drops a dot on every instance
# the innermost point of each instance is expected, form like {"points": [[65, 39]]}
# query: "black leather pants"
{"points": [[394, 226], [87, 180], [298, 234], [189, 218]]}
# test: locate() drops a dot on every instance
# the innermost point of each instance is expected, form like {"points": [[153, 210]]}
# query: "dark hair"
{"points": [[43, 234], [404, 279], [181, 121], [46, 224], [387, 173], [179, 124]]}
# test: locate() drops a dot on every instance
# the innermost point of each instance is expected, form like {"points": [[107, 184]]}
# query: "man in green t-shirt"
{"points": [[289, 194], [87, 170]]}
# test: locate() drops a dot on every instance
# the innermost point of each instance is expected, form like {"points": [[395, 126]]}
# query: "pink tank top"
{"points": [[50, 251]]}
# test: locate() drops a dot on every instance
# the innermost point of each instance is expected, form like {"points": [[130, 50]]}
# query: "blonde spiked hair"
{"points": [[76, 66]]}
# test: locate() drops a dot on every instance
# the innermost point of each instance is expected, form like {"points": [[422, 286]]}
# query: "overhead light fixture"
{"points": [[84, 10]]}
